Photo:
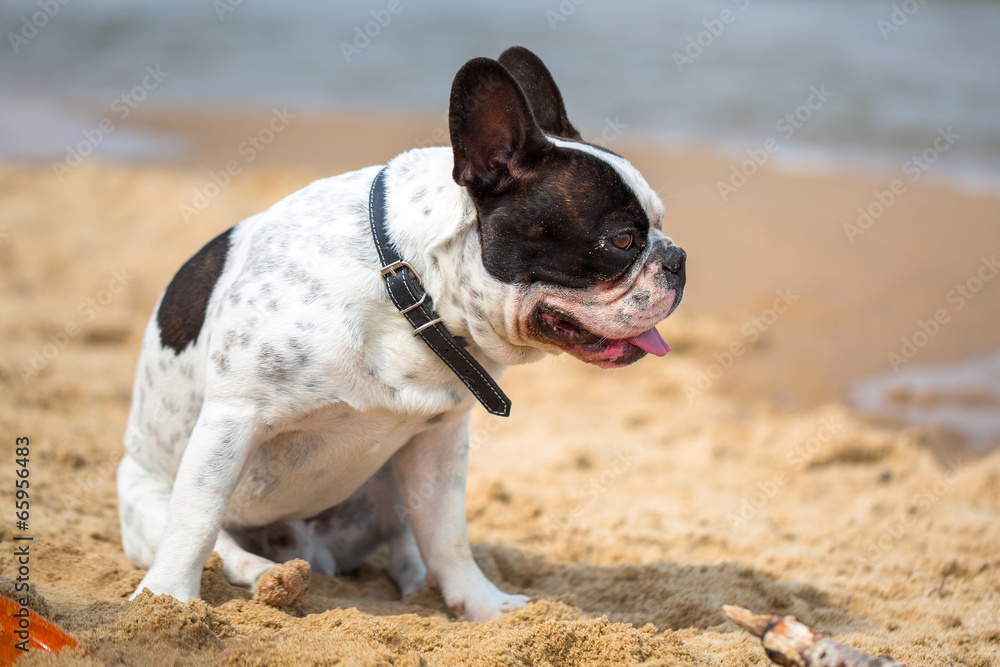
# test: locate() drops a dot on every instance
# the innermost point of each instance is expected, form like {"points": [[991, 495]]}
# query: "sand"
{"points": [[630, 505]]}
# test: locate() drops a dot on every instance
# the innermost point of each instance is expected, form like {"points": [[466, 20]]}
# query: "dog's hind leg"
{"points": [[406, 567], [143, 505]]}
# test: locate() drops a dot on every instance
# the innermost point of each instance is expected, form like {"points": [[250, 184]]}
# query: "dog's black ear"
{"points": [[541, 90], [493, 134]]}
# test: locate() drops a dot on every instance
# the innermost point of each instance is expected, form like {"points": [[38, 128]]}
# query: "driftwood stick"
{"points": [[791, 643]]}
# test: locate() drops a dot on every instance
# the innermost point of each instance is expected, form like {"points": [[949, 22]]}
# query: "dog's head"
{"points": [[570, 229]]}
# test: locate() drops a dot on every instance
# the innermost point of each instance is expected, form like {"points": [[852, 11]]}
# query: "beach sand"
{"points": [[630, 504]]}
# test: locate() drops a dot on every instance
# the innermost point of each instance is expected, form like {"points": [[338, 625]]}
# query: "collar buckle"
{"points": [[399, 265]]}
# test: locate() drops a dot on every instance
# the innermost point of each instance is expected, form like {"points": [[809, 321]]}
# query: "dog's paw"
{"points": [[410, 576], [284, 586], [487, 604], [157, 585]]}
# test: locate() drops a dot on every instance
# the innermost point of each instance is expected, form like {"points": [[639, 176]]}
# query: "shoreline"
{"points": [[158, 130], [835, 263]]}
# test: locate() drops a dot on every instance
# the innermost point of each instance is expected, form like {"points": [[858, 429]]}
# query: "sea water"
{"points": [[724, 74]]}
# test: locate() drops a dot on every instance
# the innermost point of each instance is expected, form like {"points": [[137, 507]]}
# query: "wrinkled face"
{"points": [[582, 247], [571, 230]]}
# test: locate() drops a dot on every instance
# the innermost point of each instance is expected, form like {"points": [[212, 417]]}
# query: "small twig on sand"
{"points": [[791, 643]]}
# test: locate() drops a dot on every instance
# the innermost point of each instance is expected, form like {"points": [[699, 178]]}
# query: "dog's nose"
{"points": [[674, 259]]}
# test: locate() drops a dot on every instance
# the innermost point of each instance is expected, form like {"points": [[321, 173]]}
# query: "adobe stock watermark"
{"points": [[248, 149], [86, 312], [223, 7], [899, 17], [78, 498], [915, 168], [611, 132], [696, 44], [31, 25], [365, 33], [786, 126], [957, 298], [752, 329], [121, 107], [796, 461], [595, 487], [428, 488], [562, 12], [901, 526], [151, 423], [440, 136], [267, 301]]}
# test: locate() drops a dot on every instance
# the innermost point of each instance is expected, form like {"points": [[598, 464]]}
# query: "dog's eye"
{"points": [[622, 241]]}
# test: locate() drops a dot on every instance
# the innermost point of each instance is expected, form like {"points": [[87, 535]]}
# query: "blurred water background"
{"points": [[719, 74]]}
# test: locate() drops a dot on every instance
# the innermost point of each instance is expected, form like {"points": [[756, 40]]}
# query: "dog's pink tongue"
{"points": [[651, 342]]}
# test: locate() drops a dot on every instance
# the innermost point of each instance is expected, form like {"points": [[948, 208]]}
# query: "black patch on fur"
{"points": [[182, 311], [540, 88], [558, 226], [546, 213], [494, 138]]}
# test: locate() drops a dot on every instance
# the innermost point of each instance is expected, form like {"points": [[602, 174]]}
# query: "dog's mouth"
{"points": [[562, 329]]}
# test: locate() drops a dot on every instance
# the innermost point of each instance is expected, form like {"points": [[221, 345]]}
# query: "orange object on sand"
{"points": [[40, 634]]}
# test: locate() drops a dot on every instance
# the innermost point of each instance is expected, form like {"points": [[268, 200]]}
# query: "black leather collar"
{"points": [[416, 305]]}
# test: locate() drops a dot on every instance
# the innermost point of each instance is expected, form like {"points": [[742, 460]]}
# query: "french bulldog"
{"points": [[283, 406]]}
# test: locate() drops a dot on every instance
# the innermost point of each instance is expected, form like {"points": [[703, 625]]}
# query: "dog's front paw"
{"points": [[486, 604], [160, 585]]}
